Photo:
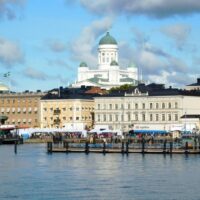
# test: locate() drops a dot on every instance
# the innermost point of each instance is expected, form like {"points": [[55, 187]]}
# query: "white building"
{"points": [[109, 74], [147, 109]]}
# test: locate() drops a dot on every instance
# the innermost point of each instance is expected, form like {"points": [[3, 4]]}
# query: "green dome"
{"points": [[132, 65], [113, 63], [83, 64], [107, 39]]}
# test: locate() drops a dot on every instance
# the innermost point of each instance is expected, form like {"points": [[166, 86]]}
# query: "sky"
{"points": [[42, 42]]}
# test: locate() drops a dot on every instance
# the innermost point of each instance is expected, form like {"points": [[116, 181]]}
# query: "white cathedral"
{"points": [[109, 74]]}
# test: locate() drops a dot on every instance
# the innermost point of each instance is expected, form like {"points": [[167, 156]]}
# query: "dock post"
{"points": [[195, 143], [15, 147], [104, 147], [186, 147], [143, 145], [87, 147], [164, 146], [127, 147], [49, 147], [171, 147], [122, 147], [66, 146]]}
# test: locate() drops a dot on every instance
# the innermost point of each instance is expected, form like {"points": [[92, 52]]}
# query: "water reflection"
{"points": [[34, 174]]}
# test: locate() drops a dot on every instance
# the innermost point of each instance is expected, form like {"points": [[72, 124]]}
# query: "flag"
{"points": [[6, 74]]}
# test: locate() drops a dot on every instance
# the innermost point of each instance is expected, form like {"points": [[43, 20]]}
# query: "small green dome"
{"points": [[113, 63], [83, 64], [131, 65], [107, 39]]}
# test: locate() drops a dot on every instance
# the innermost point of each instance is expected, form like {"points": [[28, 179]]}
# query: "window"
{"points": [[110, 106], [163, 117], [157, 105], [104, 117], [116, 118], [122, 106], [157, 117], [136, 117], [64, 118], [169, 117], [143, 117], [151, 105], [129, 106], [64, 109], [163, 105], [136, 106], [122, 118], [99, 107], [143, 105], [110, 117], [129, 117], [116, 106], [77, 118], [170, 105], [176, 105], [176, 117], [98, 118], [151, 117]]}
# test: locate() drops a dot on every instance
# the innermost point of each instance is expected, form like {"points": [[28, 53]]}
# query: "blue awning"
{"points": [[150, 131]]}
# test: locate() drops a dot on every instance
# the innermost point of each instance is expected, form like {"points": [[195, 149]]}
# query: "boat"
{"points": [[9, 135]]}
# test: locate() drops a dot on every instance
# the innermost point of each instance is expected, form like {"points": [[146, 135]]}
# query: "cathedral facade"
{"points": [[108, 74]]}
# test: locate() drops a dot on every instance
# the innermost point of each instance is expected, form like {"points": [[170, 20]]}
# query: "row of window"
{"points": [[8, 101], [168, 105], [71, 118], [137, 117], [71, 108], [18, 109]]}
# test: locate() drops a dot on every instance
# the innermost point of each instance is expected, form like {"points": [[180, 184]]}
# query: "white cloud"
{"points": [[8, 8], [10, 53], [177, 32], [56, 45], [35, 74], [82, 48], [155, 8]]}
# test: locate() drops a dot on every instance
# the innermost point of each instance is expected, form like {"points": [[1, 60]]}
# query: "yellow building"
{"points": [[73, 113], [22, 109]]}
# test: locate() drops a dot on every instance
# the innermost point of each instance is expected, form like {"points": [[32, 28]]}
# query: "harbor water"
{"points": [[33, 174]]}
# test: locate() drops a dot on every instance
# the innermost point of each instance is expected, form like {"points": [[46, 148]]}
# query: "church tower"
{"points": [[107, 51]]}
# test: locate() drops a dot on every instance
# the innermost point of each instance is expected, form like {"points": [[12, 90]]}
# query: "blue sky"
{"points": [[43, 42]]}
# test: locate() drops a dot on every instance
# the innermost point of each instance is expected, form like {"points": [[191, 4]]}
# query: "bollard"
{"points": [[86, 147], [164, 146], [15, 147], [104, 147], [67, 147], [195, 143], [127, 147], [49, 147], [122, 147], [171, 147], [143, 145], [186, 147]]}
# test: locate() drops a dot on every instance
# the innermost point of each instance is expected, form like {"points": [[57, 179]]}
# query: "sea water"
{"points": [[32, 174]]}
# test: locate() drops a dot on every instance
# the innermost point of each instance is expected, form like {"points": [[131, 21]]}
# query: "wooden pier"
{"points": [[122, 148]]}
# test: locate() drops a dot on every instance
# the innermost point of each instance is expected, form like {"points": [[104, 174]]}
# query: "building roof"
{"points": [[190, 116], [152, 90], [195, 84], [107, 39], [114, 63], [69, 93], [83, 64]]}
